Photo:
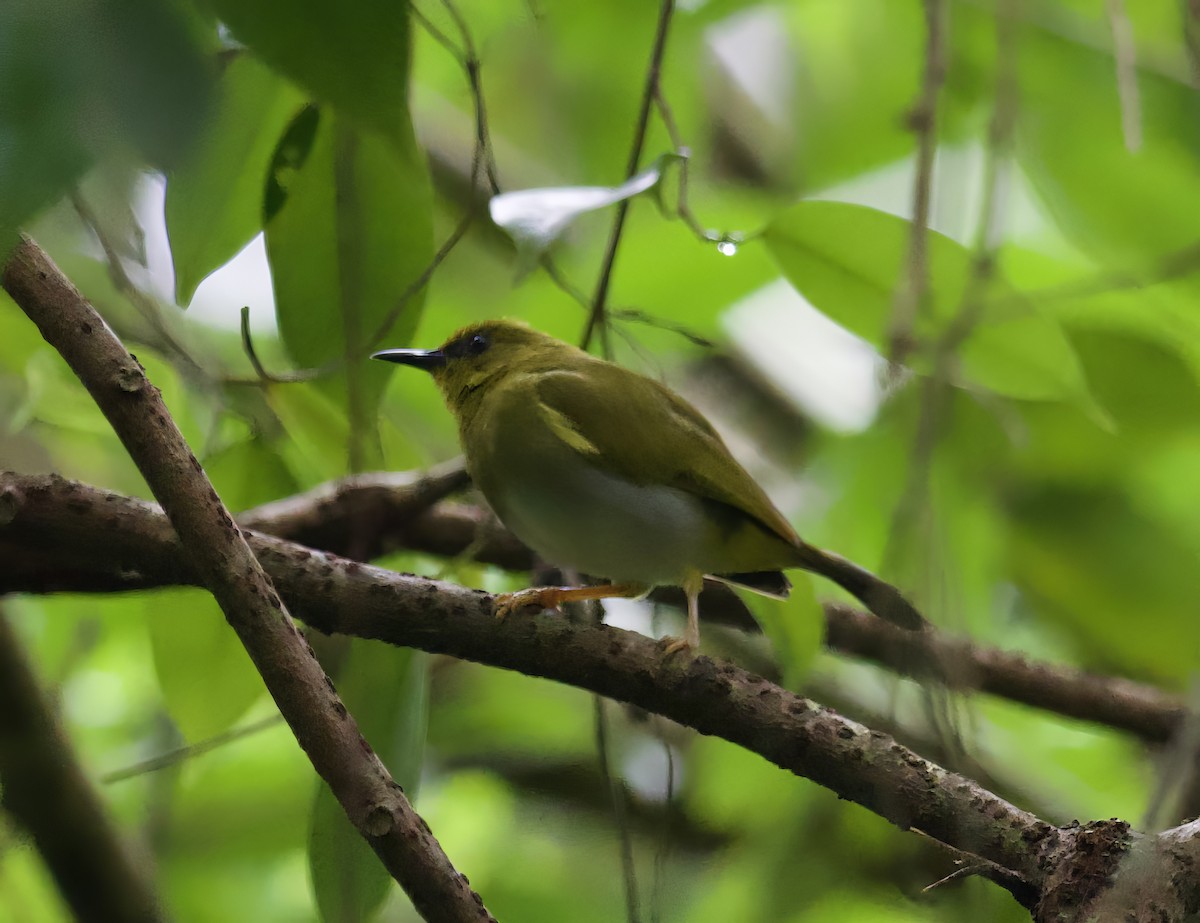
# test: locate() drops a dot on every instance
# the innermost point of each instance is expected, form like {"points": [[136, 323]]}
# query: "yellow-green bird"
{"points": [[610, 473]]}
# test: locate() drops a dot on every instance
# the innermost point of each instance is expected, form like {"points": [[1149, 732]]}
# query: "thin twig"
{"points": [[616, 796], [484, 159], [256, 364], [437, 34], [683, 152], [1190, 13], [914, 523], [559, 278], [414, 288], [1125, 57], [662, 853], [914, 502], [348, 244], [599, 300], [996, 176], [913, 285], [470, 61], [970, 865], [635, 316], [180, 754], [147, 308]]}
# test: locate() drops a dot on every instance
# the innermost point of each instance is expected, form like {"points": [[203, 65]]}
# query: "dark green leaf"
{"points": [[215, 198], [1125, 205], [84, 81], [317, 432], [795, 626], [846, 260], [353, 233], [205, 674], [1123, 585], [352, 55], [386, 689], [249, 473]]}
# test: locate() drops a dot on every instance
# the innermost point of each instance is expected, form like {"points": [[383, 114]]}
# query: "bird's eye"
{"points": [[467, 347]]}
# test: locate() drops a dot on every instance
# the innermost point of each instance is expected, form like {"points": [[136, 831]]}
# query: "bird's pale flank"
{"points": [[610, 473]]}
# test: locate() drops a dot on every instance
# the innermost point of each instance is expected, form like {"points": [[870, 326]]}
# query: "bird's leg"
{"points": [[691, 640], [551, 597]]}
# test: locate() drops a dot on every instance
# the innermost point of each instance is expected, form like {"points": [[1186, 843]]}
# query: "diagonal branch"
{"points": [[218, 553]]}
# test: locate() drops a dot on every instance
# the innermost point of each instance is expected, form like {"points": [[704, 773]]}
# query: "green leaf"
{"points": [[89, 80], [795, 626], [834, 40], [1121, 583], [353, 55], [248, 473], [845, 259], [317, 432], [354, 231], [214, 204], [1164, 313], [1121, 205], [205, 674], [386, 689]]}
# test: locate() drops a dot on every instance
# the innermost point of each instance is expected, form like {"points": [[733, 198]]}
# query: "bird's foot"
{"points": [[538, 597], [672, 645], [551, 597]]}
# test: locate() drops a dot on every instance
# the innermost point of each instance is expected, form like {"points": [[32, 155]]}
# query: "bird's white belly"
{"points": [[583, 518]]}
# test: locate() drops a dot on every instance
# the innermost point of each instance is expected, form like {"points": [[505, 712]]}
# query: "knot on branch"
{"points": [[11, 500]]}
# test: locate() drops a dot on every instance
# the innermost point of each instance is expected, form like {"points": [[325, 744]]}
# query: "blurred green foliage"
{"points": [[1054, 508]]}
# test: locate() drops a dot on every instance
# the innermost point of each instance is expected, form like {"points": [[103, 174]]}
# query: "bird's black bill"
{"points": [[427, 359]]}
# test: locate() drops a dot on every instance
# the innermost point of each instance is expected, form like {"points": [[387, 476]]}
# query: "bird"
{"points": [[605, 471]]}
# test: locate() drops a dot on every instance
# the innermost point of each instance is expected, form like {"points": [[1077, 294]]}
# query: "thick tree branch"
{"points": [[44, 788], [1071, 867], [217, 551], [337, 595], [89, 540]]}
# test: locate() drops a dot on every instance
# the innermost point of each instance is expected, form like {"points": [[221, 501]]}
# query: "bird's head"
{"points": [[482, 355]]}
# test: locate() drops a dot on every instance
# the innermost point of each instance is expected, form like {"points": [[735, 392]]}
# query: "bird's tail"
{"points": [[883, 599]]}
